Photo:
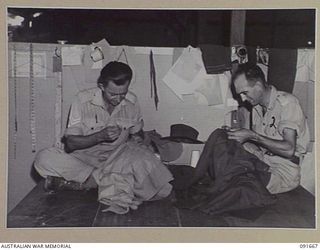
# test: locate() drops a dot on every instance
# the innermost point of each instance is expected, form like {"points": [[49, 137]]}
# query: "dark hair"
{"points": [[252, 73], [117, 72]]}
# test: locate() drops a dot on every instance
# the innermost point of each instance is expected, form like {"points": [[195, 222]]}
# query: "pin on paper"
{"points": [[96, 54]]}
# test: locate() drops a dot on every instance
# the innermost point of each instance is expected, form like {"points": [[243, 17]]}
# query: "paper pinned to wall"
{"points": [[305, 65], [211, 90], [97, 65], [176, 54], [92, 69], [106, 50], [186, 67], [177, 85], [187, 70], [187, 73], [71, 55], [225, 79], [23, 64]]}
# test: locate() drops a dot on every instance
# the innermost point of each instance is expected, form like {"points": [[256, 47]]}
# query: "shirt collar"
{"points": [[273, 97], [272, 101], [98, 99]]}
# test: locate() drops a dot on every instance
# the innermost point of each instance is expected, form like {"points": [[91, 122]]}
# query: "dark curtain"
{"points": [[282, 68]]}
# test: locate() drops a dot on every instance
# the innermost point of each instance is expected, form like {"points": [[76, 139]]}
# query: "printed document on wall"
{"points": [[23, 64], [210, 91], [71, 55], [183, 77]]}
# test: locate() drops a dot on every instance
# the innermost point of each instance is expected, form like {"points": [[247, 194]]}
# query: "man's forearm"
{"points": [[279, 147], [76, 142]]}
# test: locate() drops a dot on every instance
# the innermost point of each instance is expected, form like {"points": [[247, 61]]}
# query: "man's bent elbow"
{"points": [[68, 147], [289, 153]]}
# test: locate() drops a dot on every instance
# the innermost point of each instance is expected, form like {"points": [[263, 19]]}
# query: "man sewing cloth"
{"points": [[279, 128], [279, 134], [102, 149], [247, 165]]}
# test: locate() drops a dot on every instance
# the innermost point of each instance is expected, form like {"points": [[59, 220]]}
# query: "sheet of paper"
{"points": [[188, 77], [186, 67], [177, 85], [186, 74], [211, 90], [97, 65], [176, 54], [71, 55], [92, 69], [224, 80], [106, 49], [305, 65], [23, 64]]}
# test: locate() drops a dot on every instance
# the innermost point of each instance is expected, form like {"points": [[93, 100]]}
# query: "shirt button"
{"points": [[263, 124], [91, 128]]}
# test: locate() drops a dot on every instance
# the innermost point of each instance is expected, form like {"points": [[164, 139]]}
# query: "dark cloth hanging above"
{"points": [[252, 54], [216, 58], [154, 91], [282, 68]]}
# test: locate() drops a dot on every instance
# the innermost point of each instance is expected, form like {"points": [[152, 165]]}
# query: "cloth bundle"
{"points": [[236, 179], [132, 174]]}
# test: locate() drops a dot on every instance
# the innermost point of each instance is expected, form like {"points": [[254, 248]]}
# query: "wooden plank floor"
{"points": [[295, 209], [64, 209]]}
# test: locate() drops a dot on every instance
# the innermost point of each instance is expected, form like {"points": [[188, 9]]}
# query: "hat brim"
{"points": [[181, 139]]}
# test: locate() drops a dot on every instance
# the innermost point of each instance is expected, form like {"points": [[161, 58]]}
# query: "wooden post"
{"points": [[237, 31]]}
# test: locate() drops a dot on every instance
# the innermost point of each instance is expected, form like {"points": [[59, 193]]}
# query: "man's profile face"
{"points": [[113, 94], [248, 92]]}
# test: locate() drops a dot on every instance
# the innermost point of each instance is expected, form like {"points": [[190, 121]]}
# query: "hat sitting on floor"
{"points": [[183, 133]]}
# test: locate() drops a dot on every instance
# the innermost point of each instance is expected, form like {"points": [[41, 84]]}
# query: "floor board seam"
{"points": [[95, 217], [178, 217]]}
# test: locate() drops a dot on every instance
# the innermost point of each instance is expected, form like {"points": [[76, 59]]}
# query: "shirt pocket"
{"points": [[125, 123], [93, 125]]}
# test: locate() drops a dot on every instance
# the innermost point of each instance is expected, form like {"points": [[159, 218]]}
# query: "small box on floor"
{"points": [[190, 154]]}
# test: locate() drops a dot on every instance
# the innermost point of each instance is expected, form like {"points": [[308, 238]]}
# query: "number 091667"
{"points": [[309, 245]]}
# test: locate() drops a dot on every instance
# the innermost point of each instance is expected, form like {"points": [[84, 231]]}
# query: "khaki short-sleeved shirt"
{"points": [[284, 111], [88, 114]]}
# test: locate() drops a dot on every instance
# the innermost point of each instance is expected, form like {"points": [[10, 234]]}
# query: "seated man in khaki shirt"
{"points": [[240, 168], [102, 147], [279, 135], [95, 123]]}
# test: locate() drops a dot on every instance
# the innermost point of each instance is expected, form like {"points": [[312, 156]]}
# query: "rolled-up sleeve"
{"points": [[292, 117], [74, 120], [136, 119]]}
